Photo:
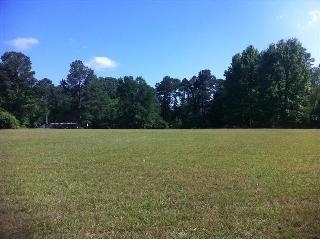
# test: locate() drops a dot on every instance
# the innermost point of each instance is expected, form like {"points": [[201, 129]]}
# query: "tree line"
{"points": [[275, 88]]}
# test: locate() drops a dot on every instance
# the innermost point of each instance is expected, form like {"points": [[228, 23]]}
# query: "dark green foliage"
{"points": [[138, 104], [204, 89], [277, 87], [241, 89], [187, 103], [286, 83], [100, 108], [314, 106], [7, 120], [216, 113], [79, 76], [16, 87], [44, 90], [60, 109], [167, 93], [269, 89]]}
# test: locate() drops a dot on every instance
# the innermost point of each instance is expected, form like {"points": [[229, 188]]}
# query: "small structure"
{"points": [[67, 125]]}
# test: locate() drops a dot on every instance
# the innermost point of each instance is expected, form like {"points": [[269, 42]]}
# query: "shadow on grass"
{"points": [[15, 224]]}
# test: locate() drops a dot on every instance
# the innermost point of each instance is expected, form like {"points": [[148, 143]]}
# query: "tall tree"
{"points": [[110, 85], [138, 104], [61, 108], [286, 83], [216, 106], [241, 89], [79, 76], [45, 91], [167, 93], [195, 100], [204, 90], [100, 105], [182, 116], [16, 86], [314, 110]]}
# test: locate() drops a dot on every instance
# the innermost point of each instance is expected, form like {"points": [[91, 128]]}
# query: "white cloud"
{"points": [[23, 43], [309, 21], [101, 63], [313, 17]]}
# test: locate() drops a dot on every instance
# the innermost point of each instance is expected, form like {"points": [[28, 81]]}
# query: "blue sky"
{"points": [[151, 38]]}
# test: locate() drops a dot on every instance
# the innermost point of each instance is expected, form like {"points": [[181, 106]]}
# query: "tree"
{"points": [[16, 86], [187, 103], [241, 89], [275, 88], [285, 83], [110, 85], [138, 106], [79, 76], [204, 87], [167, 93], [314, 107], [45, 91], [61, 107], [7, 120], [100, 106], [216, 106], [183, 113]]}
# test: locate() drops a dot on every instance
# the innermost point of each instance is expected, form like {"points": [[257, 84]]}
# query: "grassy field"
{"points": [[160, 183]]}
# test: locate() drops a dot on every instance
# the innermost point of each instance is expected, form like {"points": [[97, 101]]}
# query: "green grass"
{"points": [[160, 183]]}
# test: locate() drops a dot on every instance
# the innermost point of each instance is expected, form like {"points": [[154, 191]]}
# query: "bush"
{"points": [[160, 124], [7, 120]]}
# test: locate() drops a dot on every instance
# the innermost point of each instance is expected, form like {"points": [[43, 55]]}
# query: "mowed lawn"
{"points": [[160, 183]]}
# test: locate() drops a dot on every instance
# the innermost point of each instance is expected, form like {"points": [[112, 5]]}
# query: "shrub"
{"points": [[7, 120], [160, 124]]}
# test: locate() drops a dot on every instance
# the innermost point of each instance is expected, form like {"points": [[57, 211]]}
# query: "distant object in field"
{"points": [[68, 125]]}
